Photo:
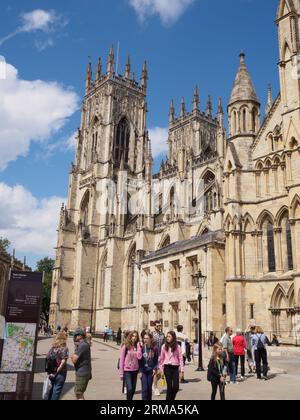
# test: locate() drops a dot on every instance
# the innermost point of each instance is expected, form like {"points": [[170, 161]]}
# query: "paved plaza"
{"points": [[106, 385]]}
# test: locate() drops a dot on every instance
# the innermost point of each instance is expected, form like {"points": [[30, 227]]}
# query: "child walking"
{"points": [[216, 374], [148, 356]]}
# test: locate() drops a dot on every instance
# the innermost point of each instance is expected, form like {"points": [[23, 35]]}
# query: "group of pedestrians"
{"points": [[231, 351], [56, 363], [154, 357]]}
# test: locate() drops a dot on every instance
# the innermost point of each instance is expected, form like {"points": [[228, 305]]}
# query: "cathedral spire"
{"points": [[209, 107], [270, 100], [220, 113], [111, 62], [89, 76], [144, 76], [99, 70], [182, 110], [196, 100], [128, 69], [172, 112], [243, 89]]}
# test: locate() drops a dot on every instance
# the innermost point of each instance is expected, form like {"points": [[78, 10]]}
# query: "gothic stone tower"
{"points": [[112, 141]]}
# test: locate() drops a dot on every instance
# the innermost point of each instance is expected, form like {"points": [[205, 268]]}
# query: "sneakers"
{"points": [[156, 392], [242, 378], [183, 381], [265, 378]]}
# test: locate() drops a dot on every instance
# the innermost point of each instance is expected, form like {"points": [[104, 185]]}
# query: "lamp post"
{"points": [[200, 281]]}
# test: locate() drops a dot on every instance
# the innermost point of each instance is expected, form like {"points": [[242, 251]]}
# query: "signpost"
{"points": [[22, 317]]}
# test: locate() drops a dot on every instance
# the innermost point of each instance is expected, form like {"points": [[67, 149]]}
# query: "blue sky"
{"points": [[185, 42]]}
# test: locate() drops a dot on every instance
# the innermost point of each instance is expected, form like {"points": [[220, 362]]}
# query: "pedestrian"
{"points": [[148, 356], [119, 337], [259, 344], [239, 348], [275, 341], [105, 334], [159, 339], [216, 373], [82, 363], [88, 336], [129, 363], [171, 364], [228, 349], [181, 341], [56, 365], [250, 355], [143, 333], [212, 340], [66, 330]]}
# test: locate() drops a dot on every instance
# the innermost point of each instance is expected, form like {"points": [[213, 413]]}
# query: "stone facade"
{"points": [[241, 227]]}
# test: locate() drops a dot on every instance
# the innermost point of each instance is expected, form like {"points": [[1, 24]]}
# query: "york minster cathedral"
{"points": [[119, 268]]}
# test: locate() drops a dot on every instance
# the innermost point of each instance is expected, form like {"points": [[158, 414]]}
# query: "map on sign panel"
{"points": [[18, 349]]}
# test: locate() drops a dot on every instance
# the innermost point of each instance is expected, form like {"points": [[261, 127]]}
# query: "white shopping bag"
{"points": [[47, 388]]}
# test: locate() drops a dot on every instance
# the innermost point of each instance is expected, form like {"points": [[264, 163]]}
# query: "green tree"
{"points": [[4, 245], [46, 266]]}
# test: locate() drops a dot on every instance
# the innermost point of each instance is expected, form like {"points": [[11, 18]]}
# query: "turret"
{"points": [[182, 108], [144, 76], [128, 69], [88, 83], [172, 112], [110, 63], [196, 100], [244, 106], [270, 100], [99, 70]]}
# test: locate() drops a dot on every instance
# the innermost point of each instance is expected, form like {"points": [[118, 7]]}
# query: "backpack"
{"points": [[51, 365], [260, 344]]}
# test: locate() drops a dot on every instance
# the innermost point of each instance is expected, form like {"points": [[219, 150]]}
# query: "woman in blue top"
{"points": [[148, 356]]}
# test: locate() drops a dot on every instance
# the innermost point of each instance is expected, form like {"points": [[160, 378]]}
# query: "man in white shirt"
{"points": [[181, 340]]}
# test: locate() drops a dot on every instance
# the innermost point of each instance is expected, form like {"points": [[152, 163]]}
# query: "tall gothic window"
{"points": [[244, 121], [131, 277], [210, 196], [289, 246], [121, 144], [271, 248]]}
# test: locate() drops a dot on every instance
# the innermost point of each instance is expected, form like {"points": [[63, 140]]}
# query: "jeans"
{"points": [[231, 368], [147, 382], [215, 386], [261, 356], [58, 384], [130, 381], [172, 378], [242, 364]]}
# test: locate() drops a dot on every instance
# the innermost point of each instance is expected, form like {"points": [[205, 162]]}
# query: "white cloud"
{"points": [[28, 222], [169, 11], [30, 111], [38, 20], [159, 140]]}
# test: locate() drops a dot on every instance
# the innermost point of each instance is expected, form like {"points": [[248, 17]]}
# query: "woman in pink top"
{"points": [[239, 348], [171, 362], [129, 363]]}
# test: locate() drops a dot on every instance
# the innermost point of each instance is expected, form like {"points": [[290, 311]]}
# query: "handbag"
{"points": [[47, 387]]}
